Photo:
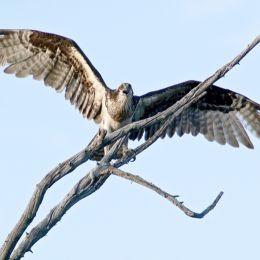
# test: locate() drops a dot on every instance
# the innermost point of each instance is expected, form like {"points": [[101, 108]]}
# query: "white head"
{"points": [[125, 89]]}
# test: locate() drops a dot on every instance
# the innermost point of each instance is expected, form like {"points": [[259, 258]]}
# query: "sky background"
{"points": [[151, 44]]}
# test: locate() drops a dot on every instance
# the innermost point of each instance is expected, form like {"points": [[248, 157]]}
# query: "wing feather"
{"points": [[59, 62], [66, 80], [45, 68], [186, 124], [194, 123], [171, 130], [56, 74], [228, 131], [218, 129], [87, 110], [74, 91], [240, 132], [12, 54], [220, 115], [209, 127]]}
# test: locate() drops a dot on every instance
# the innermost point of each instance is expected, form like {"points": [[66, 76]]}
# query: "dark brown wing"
{"points": [[218, 115], [59, 62]]}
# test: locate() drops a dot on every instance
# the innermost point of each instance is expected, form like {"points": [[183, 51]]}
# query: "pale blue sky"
{"points": [[151, 44]]}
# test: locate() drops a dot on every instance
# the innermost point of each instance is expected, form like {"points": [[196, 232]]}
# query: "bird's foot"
{"points": [[129, 153]]}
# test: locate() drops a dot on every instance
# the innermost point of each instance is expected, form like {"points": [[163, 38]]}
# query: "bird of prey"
{"points": [[220, 115]]}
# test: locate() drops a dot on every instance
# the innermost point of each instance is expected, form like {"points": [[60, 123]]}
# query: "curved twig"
{"points": [[172, 198]]}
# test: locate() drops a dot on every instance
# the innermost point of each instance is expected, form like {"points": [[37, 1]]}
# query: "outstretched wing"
{"points": [[218, 115], [59, 62]]}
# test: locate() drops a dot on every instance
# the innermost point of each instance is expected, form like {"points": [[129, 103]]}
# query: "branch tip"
{"points": [[209, 208], [180, 204]]}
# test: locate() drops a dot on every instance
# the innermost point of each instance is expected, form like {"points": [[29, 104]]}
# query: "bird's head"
{"points": [[125, 89]]}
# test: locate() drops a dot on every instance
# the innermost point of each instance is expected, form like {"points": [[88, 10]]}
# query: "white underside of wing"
{"points": [[100, 90], [61, 67]]}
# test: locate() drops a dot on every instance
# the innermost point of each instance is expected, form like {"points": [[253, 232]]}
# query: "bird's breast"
{"points": [[116, 114]]}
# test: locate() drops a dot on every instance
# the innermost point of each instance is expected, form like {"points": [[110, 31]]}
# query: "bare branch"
{"points": [[53, 176], [173, 199], [85, 187], [90, 184], [82, 189], [158, 133]]}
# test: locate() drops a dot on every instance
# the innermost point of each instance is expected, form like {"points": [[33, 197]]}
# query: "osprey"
{"points": [[61, 64]]}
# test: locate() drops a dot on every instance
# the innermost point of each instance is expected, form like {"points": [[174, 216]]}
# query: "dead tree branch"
{"points": [[53, 176], [172, 198], [85, 187], [96, 177]]}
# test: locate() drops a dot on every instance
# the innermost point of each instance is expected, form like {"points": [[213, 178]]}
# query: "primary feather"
{"points": [[220, 115]]}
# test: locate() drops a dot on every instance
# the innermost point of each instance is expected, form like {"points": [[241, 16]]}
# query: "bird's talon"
{"points": [[133, 159], [131, 153]]}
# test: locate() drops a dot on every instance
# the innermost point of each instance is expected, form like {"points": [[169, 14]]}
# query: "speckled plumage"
{"points": [[220, 115]]}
